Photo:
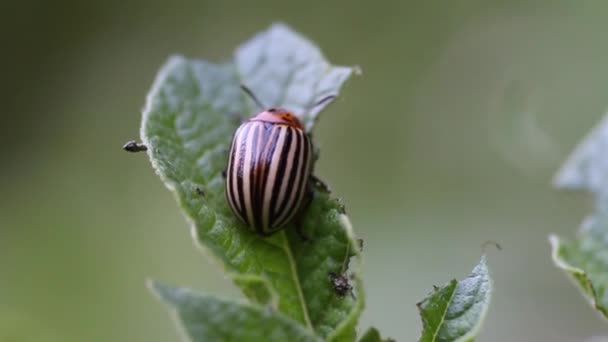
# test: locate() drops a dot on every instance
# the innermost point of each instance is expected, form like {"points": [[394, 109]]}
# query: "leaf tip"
{"points": [[566, 178], [279, 26], [165, 293], [157, 288], [559, 261], [555, 243]]}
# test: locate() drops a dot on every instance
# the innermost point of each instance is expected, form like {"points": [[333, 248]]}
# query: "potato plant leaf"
{"points": [[204, 317], [192, 111], [455, 311], [585, 258], [373, 335]]}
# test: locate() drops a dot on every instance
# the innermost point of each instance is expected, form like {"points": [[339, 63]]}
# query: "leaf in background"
{"points": [[373, 335], [587, 167], [571, 256], [585, 259], [456, 311], [188, 124], [208, 318]]}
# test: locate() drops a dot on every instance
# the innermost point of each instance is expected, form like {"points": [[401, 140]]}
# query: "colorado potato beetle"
{"points": [[269, 168]]}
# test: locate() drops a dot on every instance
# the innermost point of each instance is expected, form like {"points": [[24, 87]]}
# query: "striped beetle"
{"points": [[269, 169]]}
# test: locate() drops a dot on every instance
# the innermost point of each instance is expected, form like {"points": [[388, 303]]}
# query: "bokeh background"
{"points": [[449, 138]]}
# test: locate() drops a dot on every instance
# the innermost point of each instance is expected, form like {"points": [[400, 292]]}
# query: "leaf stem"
{"points": [[294, 271]]}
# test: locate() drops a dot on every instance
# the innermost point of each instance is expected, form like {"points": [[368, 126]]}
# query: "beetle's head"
{"points": [[279, 116]]}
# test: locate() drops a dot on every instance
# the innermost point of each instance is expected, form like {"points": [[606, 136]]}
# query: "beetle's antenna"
{"points": [[252, 96], [327, 98]]}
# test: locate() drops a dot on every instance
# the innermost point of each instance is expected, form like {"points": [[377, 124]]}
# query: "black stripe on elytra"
{"points": [[265, 156], [269, 157], [278, 181], [229, 176], [279, 178], [303, 179], [253, 178], [239, 171], [293, 172]]}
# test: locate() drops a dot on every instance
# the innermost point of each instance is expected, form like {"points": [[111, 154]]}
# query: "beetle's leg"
{"points": [[319, 183], [224, 173]]}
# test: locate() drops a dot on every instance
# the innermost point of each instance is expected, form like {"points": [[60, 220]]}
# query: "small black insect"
{"points": [[341, 281], [134, 146], [341, 284], [319, 184]]}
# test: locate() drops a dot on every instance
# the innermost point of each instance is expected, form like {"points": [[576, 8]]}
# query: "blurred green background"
{"points": [[449, 138]]}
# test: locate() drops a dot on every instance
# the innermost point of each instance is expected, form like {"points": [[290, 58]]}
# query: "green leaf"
{"points": [[585, 259], [373, 335], [579, 259], [455, 311], [204, 317], [187, 125], [257, 289], [284, 68]]}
